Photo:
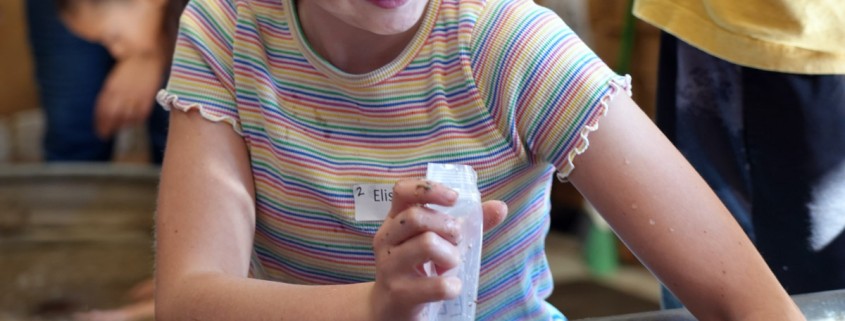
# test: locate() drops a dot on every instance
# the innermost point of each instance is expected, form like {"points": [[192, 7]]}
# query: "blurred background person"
{"points": [[753, 94], [98, 66]]}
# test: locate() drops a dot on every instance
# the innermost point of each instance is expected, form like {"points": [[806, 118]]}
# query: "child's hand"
{"points": [[128, 94], [412, 235], [138, 311], [142, 290]]}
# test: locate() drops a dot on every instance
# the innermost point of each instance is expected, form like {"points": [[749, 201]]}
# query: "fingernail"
{"points": [[458, 226], [452, 195], [454, 284]]}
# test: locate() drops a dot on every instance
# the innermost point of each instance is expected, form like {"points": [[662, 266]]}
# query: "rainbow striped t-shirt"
{"points": [[501, 85]]}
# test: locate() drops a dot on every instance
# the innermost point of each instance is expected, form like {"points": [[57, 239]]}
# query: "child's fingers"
{"points": [[140, 110], [129, 113], [405, 259], [409, 192], [495, 213], [414, 291], [437, 288], [107, 115], [101, 113], [142, 290], [146, 108], [416, 220]]}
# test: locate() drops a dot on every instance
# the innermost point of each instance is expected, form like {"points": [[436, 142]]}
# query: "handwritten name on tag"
{"points": [[372, 201]]}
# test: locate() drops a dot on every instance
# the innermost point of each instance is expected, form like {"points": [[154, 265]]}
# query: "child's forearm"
{"points": [[204, 238], [216, 296], [674, 223]]}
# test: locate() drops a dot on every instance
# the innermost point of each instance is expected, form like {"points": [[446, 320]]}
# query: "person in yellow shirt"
{"points": [[753, 93]]}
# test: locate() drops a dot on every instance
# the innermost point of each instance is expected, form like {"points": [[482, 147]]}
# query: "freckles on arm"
{"points": [[665, 212]]}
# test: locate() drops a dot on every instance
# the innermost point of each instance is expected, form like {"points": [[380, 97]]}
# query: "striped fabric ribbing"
{"points": [[502, 85]]}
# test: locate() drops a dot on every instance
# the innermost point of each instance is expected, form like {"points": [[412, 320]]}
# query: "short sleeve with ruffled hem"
{"points": [[201, 77], [543, 86]]}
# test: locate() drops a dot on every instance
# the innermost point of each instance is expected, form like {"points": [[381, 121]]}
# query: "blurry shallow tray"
{"points": [[821, 306], [72, 237]]}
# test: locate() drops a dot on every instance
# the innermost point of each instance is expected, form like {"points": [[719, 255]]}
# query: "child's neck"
{"points": [[348, 48]]}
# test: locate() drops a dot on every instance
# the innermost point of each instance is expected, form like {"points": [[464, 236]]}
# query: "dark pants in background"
{"points": [[70, 73], [772, 146]]}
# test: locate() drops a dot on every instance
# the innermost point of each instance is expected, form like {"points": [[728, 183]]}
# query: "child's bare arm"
{"points": [[671, 219], [204, 229], [205, 225]]}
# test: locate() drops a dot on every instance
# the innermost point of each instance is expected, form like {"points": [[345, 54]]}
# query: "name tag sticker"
{"points": [[372, 201]]}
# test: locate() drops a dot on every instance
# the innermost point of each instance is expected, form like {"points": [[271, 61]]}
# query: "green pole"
{"points": [[601, 253]]}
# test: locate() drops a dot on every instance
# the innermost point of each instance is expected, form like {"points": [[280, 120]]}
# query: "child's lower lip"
{"points": [[388, 4]]}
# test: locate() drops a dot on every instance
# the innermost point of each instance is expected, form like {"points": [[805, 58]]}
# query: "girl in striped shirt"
{"points": [[284, 106]]}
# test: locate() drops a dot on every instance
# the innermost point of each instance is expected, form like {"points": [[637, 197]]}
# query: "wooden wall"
{"points": [[606, 20], [17, 85]]}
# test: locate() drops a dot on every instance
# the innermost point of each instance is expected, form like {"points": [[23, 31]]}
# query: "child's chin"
{"points": [[392, 27]]}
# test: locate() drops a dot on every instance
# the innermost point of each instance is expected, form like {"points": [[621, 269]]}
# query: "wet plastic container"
{"points": [[463, 179]]}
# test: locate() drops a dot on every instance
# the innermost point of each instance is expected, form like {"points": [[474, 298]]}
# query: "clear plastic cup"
{"points": [[463, 179]]}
